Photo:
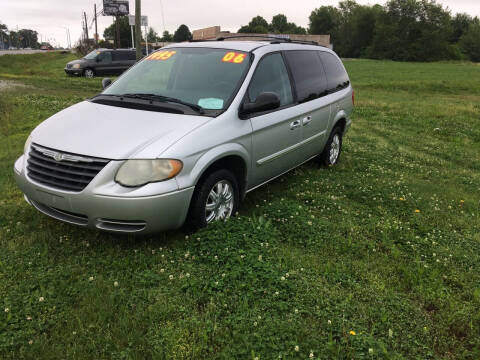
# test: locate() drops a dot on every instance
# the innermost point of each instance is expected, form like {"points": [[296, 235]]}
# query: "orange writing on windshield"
{"points": [[161, 55], [234, 57]]}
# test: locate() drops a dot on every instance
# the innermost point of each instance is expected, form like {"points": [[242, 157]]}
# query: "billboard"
{"points": [[115, 7]]}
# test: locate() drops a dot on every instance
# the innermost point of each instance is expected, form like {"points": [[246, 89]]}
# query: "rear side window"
{"points": [[120, 56], [336, 75], [308, 74], [271, 76], [105, 57]]}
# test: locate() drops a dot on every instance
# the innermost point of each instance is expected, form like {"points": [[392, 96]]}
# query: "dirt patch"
{"points": [[7, 84]]}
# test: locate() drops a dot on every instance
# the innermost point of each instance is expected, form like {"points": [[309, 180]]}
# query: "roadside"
{"points": [[25, 51]]}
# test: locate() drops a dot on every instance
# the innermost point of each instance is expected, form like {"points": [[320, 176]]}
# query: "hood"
{"points": [[113, 132], [73, 62]]}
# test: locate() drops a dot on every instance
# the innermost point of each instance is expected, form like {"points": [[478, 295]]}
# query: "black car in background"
{"points": [[102, 62]]}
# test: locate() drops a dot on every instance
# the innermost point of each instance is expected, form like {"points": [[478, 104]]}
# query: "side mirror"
{"points": [[106, 82], [265, 101]]}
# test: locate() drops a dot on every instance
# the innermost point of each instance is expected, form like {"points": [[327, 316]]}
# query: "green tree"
{"points": [[166, 37], [280, 25], [460, 24], [412, 30], [152, 35], [182, 34], [28, 38], [125, 35], [324, 21], [3, 36], [470, 42], [257, 25]]}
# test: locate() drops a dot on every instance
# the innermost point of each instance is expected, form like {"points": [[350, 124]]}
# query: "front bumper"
{"points": [[72, 71], [105, 205]]}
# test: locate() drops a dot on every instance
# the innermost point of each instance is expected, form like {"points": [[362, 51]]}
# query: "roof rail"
{"points": [[275, 39]]}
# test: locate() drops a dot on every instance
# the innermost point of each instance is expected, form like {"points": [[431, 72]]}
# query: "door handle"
{"points": [[295, 124], [306, 120]]}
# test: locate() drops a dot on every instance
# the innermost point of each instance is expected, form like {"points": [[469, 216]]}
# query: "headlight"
{"points": [[27, 144], [141, 172], [76, 66]]}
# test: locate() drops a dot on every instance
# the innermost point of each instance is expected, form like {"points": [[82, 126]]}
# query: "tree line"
{"points": [[24, 38], [181, 34], [406, 30]]}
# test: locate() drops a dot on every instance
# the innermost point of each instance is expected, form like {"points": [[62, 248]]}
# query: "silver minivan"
{"points": [[186, 133]]}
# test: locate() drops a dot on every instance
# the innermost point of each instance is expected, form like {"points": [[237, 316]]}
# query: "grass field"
{"points": [[376, 258]]}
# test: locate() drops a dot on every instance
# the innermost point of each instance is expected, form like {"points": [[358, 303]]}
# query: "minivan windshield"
{"points": [[201, 76], [92, 55]]}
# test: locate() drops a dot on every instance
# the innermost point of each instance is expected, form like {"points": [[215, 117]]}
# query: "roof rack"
{"points": [[275, 39]]}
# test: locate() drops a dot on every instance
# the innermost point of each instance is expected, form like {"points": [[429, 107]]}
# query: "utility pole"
{"points": [[117, 31], [96, 31], [138, 31], [86, 26]]}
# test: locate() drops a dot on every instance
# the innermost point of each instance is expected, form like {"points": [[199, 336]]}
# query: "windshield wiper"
{"points": [[162, 98]]}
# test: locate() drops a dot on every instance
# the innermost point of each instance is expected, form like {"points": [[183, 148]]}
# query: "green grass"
{"points": [[314, 255]]}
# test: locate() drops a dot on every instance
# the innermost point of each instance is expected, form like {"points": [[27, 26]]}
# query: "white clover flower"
{"points": [[187, 274], [311, 354], [223, 275], [297, 348], [287, 275], [29, 318], [260, 257], [276, 292], [170, 277], [329, 322], [30, 342], [115, 283], [370, 350], [90, 278], [153, 251], [254, 323], [216, 282], [162, 270], [7, 310], [282, 278], [41, 299], [296, 311], [215, 257]]}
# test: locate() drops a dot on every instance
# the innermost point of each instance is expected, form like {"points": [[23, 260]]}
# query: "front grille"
{"points": [[62, 170]]}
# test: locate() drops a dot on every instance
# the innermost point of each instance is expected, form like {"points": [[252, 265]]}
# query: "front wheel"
{"points": [[216, 197], [88, 73], [333, 148]]}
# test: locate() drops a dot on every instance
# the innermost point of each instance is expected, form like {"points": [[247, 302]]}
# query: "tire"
{"points": [[203, 207], [333, 148], [89, 73]]}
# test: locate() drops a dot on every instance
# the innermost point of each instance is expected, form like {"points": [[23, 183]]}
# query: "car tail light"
{"points": [[353, 97]]}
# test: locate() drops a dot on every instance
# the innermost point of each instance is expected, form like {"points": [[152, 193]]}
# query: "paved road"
{"points": [[16, 52]]}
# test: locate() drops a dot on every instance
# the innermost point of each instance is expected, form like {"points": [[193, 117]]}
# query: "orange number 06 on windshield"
{"points": [[233, 57], [162, 55]]}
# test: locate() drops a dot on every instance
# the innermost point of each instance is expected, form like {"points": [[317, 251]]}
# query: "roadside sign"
{"points": [[131, 20], [115, 7]]}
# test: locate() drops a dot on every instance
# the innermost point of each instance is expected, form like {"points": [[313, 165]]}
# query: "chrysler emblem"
{"points": [[58, 157]]}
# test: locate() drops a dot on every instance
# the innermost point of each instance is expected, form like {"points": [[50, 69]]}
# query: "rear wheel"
{"points": [[333, 148], [88, 73], [215, 198]]}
